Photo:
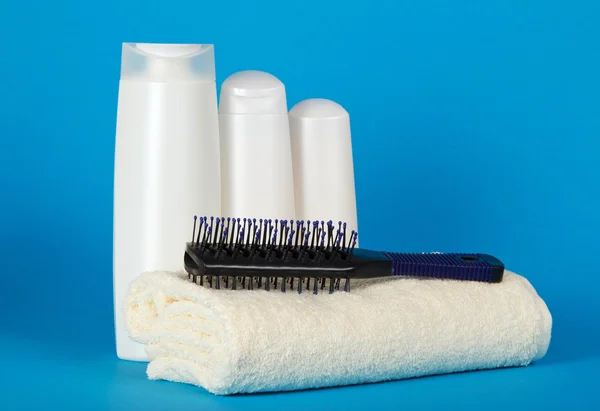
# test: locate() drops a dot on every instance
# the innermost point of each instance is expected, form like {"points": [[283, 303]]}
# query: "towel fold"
{"points": [[242, 341]]}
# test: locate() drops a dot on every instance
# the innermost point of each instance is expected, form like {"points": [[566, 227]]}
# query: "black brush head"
{"points": [[257, 253]]}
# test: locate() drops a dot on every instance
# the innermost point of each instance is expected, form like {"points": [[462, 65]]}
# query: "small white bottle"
{"points": [[256, 156], [323, 163], [166, 163]]}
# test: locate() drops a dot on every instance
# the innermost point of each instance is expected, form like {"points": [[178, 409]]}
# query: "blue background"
{"points": [[475, 127]]}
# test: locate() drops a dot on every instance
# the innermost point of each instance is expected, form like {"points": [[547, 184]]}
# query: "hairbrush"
{"points": [[247, 253]]}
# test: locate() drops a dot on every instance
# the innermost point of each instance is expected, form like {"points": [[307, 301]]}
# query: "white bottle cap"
{"points": [[256, 157], [168, 62], [323, 164], [253, 92]]}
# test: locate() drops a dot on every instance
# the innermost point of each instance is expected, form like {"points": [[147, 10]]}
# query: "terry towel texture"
{"points": [[255, 341]]}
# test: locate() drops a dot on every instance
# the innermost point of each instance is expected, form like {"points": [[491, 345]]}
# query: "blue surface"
{"points": [[475, 125]]}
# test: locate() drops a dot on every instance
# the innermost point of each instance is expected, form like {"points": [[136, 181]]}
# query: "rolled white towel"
{"points": [[245, 341]]}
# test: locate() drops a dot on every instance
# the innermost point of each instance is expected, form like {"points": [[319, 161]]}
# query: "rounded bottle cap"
{"points": [[318, 108], [168, 62], [252, 92]]}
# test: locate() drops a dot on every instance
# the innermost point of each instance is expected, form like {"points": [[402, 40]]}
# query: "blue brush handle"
{"points": [[458, 266], [467, 266]]}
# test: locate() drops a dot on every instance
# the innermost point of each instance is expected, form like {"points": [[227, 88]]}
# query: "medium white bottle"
{"points": [[167, 166], [256, 156], [323, 163]]}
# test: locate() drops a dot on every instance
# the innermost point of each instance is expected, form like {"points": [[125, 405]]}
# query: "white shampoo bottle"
{"points": [[323, 163], [256, 156], [167, 164]]}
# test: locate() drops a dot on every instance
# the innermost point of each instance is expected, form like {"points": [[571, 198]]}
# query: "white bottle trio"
{"points": [[178, 155]]}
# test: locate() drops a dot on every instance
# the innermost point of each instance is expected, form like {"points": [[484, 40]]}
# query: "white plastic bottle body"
{"points": [[323, 195], [323, 163], [167, 169], [257, 169]]}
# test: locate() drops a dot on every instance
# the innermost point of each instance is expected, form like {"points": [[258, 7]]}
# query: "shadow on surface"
{"points": [[574, 332]]}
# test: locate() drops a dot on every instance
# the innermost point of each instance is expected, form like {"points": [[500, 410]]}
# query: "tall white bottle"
{"points": [[323, 163], [167, 165], [256, 154]]}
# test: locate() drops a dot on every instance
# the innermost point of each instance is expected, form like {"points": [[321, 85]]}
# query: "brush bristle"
{"points": [[297, 284], [279, 239], [271, 240]]}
